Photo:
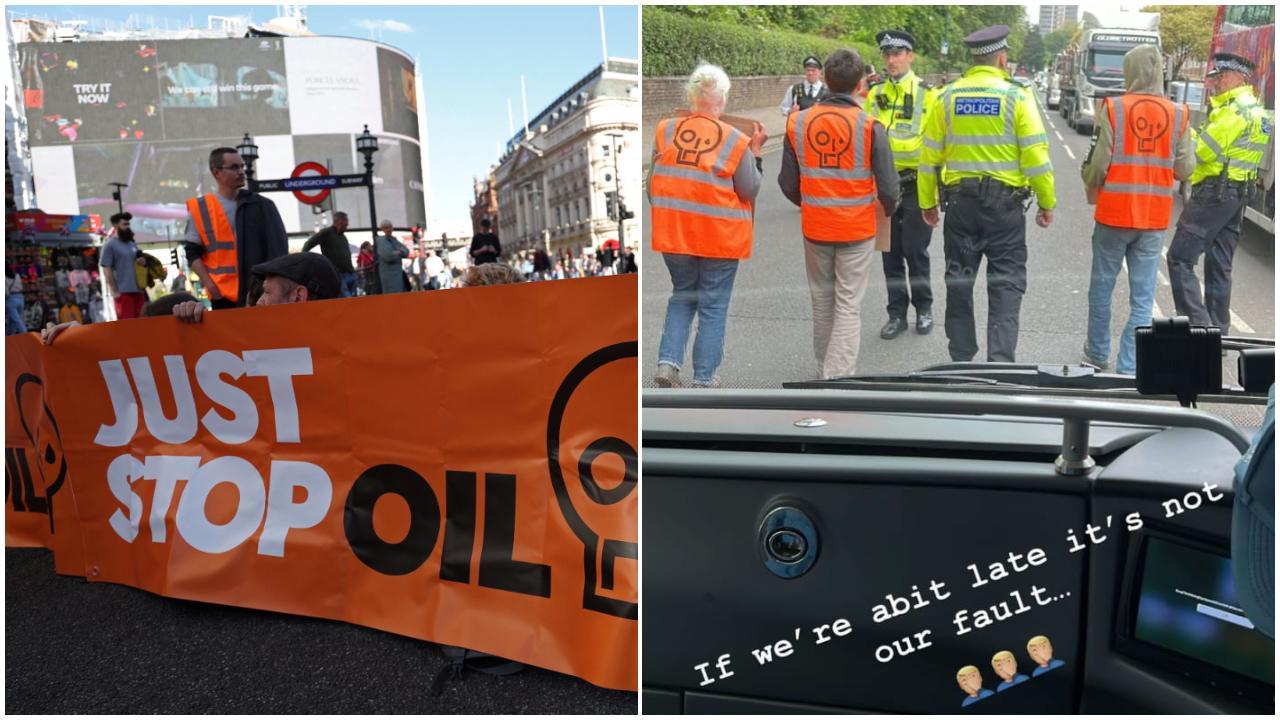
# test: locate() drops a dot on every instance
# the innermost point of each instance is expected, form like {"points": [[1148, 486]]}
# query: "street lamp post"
{"points": [[367, 144], [249, 153], [116, 195]]}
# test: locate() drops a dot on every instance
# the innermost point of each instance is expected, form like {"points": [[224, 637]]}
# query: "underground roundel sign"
{"points": [[309, 182]]}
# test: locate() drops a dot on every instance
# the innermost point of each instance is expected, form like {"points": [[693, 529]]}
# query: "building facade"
{"points": [[555, 182], [1054, 17], [484, 206]]}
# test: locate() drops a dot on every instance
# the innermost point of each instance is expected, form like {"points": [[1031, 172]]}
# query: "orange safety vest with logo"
{"points": [[219, 240], [837, 188], [1138, 190], [694, 209]]}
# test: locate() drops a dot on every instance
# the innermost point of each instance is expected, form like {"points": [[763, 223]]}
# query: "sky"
{"points": [[471, 59]]}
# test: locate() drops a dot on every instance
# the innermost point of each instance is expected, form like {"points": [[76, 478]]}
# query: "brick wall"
{"points": [[663, 95]]}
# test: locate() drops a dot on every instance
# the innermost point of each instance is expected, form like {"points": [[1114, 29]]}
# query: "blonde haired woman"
{"points": [[702, 190]]}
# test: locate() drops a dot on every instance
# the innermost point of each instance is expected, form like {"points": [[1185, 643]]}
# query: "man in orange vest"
{"points": [[836, 165], [702, 188], [1141, 146], [230, 231]]}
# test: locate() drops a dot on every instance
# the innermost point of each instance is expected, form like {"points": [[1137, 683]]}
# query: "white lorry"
{"points": [[1095, 60]]}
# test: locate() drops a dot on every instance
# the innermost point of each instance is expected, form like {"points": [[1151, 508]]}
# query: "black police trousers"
{"points": [[975, 228], [908, 256], [1209, 226]]}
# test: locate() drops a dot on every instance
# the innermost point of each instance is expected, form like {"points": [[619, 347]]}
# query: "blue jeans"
{"points": [[699, 286], [348, 284], [13, 323], [1140, 250]]}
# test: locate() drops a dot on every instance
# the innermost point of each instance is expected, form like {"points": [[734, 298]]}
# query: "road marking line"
{"points": [[1238, 322], [1069, 153], [1060, 138]]}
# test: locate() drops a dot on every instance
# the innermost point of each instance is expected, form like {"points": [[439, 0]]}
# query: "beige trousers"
{"points": [[837, 283]]}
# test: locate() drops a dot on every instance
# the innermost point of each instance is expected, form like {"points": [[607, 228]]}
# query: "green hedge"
{"points": [[675, 44]]}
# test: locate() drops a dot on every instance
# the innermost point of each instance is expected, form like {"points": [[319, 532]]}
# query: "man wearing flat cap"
{"points": [[296, 277], [1228, 150], [985, 141], [805, 93], [899, 102]]}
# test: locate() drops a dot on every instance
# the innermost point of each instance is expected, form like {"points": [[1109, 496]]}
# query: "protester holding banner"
{"points": [[296, 277], [230, 231]]}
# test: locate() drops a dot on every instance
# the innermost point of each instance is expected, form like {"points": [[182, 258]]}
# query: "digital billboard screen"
{"points": [[147, 113]]}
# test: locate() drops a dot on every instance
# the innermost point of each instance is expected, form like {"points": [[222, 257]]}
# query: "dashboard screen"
{"points": [[1187, 604]]}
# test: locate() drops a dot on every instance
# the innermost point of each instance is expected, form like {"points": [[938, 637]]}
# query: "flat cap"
{"points": [[310, 270], [1230, 61], [812, 61], [895, 40], [988, 40]]}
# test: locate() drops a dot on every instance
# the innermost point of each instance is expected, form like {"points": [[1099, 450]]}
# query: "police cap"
{"points": [[310, 270], [895, 40], [812, 61], [1230, 61], [988, 40]]}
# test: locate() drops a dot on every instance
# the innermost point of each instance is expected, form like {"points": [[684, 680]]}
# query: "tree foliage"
{"points": [[1185, 31], [858, 24], [1033, 57], [1055, 41]]}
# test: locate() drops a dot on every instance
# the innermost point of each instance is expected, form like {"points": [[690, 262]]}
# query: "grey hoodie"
{"points": [[1143, 75]]}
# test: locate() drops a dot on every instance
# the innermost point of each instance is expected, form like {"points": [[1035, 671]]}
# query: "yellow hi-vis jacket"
{"points": [[1236, 132], [983, 125], [904, 133]]}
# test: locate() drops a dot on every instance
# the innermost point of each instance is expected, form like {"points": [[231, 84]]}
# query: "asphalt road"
{"points": [[72, 646], [769, 334]]}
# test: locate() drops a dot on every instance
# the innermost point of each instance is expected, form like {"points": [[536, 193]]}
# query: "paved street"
{"points": [[769, 333], [78, 647]]}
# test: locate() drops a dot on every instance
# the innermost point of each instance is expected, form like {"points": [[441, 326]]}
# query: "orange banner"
{"points": [[458, 466]]}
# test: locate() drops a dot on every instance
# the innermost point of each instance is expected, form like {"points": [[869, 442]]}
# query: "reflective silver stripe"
{"points": [[859, 130], [693, 174], [926, 170], [1032, 140], [1012, 97], [836, 201], [1213, 145], [671, 134], [979, 140], [907, 154], [213, 243], [1144, 160], [1118, 129], [984, 166], [700, 208], [1245, 144], [835, 173], [798, 140], [221, 271], [1137, 189], [1038, 170], [729, 144], [932, 144]]}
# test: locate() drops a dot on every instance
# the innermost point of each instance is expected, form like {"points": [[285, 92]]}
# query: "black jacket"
{"points": [[260, 236]]}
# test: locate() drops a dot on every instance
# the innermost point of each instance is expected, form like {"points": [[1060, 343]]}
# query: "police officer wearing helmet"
{"points": [[1228, 150], [899, 103], [805, 93], [986, 140]]}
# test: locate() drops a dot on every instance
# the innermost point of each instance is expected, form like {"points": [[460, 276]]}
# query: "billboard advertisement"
{"points": [[147, 113]]}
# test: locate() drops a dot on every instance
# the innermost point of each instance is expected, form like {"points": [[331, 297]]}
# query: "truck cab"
{"points": [[1097, 60]]}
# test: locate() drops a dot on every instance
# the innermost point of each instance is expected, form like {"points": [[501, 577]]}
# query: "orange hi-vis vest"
{"points": [[694, 209], [1138, 191], [837, 188], [219, 240]]}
